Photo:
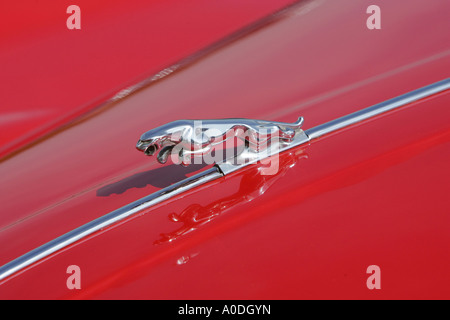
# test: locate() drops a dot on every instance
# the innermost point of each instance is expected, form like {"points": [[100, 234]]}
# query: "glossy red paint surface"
{"points": [[374, 194], [50, 75]]}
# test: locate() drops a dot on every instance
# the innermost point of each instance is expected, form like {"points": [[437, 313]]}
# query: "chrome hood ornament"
{"points": [[185, 139]]}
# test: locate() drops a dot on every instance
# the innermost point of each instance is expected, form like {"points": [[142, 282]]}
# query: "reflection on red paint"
{"points": [[253, 184]]}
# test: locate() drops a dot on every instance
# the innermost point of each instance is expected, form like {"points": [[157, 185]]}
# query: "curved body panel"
{"points": [[374, 193]]}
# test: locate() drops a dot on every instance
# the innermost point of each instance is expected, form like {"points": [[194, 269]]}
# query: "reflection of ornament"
{"points": [[252, 185]]}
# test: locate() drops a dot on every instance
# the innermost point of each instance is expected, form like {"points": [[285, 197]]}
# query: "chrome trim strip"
{"points": [[213, 173], [377, 109], [107, 220]]}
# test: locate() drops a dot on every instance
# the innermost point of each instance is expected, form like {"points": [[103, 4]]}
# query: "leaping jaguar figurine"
{"points": [[198, 137]]}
